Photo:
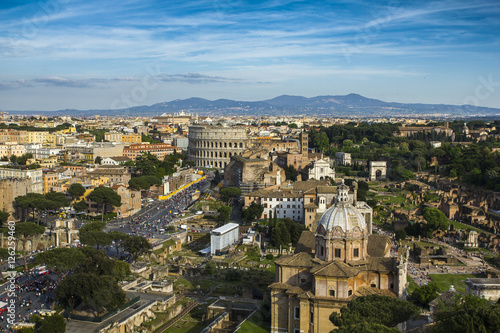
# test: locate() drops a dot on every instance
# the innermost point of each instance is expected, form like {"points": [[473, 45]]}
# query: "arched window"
{"points": [[331, 292]]}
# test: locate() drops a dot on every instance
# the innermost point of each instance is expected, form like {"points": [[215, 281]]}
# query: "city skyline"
{"points": [[60, 54]]}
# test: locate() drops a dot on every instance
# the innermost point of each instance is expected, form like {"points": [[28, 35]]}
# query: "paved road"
{"points": [[152, 221], [32, 293]]}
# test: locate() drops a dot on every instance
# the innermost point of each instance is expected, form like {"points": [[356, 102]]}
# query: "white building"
{"points": [[116, 160], [320, 169], [342, 158], [9, 150], [39, 152], [482, 287], [223, 237], [282, 203]]}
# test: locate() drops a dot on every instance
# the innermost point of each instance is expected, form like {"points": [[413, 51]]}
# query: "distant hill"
{"points": [[351, 105]]}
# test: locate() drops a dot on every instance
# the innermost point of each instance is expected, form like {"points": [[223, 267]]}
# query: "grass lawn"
{"points": [[187, 327], [396, 200], [459, 225], [444, 281], [187, 324], [254, 324], [412, 286]]}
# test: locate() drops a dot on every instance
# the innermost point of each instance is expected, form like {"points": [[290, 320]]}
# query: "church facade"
{"points": [[341, 261]]}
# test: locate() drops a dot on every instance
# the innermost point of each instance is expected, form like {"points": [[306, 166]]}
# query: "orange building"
{"points": [[160, 150], [50, 180]]}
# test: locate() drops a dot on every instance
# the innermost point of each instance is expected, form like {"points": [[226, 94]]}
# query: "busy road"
{"points": [[153, 221], [34, 291]]}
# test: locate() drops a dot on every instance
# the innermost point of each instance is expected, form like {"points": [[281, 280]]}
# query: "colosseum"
{"points": [[213, 146]]}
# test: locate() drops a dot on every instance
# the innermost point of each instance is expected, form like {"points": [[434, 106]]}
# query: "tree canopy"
{"points": [[94, 282], [229, 192], [4, 216], [286, 231], [61, 259], [467, 314], [137, 246], [144, 182], [425, 294], [224, 213], [49, 324], [435, 219], [92, 234], [76, 190], [105, 196], [254, 211], [23, 232], [373, 313]]}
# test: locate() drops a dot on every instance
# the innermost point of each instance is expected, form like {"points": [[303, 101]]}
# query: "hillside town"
{"points": [[237, 224]]}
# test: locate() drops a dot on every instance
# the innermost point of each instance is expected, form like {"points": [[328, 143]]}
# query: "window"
{"points": [[332, 293], [338, 253], [356, 253], [312, 317], [322, 250], [296, 330], [296, 313], [373, 285], [349, 293]]}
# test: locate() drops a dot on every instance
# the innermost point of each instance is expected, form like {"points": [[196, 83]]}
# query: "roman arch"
{"points": [[377, 170]]}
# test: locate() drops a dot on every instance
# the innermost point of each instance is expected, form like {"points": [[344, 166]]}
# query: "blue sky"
{"points": [[90, 54]]}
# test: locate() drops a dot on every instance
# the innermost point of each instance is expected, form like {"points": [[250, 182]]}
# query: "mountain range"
{"points": [[351, 105]]}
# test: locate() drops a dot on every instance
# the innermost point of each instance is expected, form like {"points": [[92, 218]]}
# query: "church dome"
{"points": [[342, 214]]}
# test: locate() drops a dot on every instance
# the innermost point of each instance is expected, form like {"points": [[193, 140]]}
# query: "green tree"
{"points": [[280, 235], [4, 216], [321, 141], [29, 201], [119, 239], [373, 313], [81, 206], [92, 234], [224, 213], [254, 211], [291, 173], [137, 246], [49, 324], [210, 268], [423, 295], [146, 164], [4, 254], [95, 238], [76, 190], [24, 158], [104, 196], [435, 219], [467, 314], [61, 259], [24, 232], [400, 234], [96, 293], [144, 182], [230, 192], [97, 226], [121, 270], [57, 200]]}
